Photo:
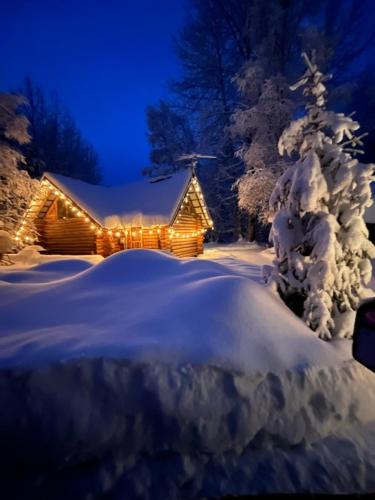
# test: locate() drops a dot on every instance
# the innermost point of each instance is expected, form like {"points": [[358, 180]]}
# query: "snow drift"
{"points": [[152, 377], [138, 430], [149, 306]]}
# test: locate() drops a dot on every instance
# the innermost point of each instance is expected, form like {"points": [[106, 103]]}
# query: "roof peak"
{"points": [[142, 180]]}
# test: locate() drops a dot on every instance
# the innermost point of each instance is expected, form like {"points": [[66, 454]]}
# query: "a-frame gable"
{"points": [[193, 195]]}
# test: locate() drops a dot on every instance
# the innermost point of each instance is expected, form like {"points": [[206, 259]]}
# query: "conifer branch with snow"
{"points": [[16, 186], [322, 248]]}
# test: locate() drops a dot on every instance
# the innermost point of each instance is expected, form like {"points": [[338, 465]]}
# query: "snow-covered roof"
{"points": [[146, 202]]}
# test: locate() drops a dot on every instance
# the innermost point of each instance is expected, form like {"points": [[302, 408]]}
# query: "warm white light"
{"points": [[134, 233], [118, 234]]}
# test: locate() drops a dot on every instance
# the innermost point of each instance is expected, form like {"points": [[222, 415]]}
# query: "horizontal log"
{"points": [[68, 242], [187, 248], [72, 251], [68, 248], [184, 241], [71, 229], [66, 227], [185, 255], [67, 235]]}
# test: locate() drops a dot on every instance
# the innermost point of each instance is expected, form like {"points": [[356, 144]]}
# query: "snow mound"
{"points": [[146, 376], [45, 272], [28, 256], [117, 429], [149, 306]]}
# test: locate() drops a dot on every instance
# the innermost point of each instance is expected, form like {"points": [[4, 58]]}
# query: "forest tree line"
{"points": [[232, 97], [56, 143]]}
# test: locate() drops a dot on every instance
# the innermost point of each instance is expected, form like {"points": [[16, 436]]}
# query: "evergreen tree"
{"points": [[321, 241], [16, 186]]}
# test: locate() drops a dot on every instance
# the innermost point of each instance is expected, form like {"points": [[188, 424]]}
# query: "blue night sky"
{"points": [[106, 59]]}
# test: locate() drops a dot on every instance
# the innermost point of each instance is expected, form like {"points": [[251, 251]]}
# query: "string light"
{"points": [[193, 188]]}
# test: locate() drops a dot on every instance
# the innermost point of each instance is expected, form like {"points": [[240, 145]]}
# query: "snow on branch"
{"points": [[321, 241]]}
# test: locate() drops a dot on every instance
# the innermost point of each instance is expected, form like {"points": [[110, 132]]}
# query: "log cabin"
{"points": [[167, 213]]}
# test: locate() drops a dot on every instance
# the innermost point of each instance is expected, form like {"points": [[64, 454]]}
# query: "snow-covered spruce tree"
{"points": [[321, 241], [257, 124], [16, 186]]}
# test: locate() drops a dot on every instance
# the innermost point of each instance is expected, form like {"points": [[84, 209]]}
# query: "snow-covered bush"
{"points": [[258, 123], [321, 240], [16, 186], [6, 242], [28, 256]]}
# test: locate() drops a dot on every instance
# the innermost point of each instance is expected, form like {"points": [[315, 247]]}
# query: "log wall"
{"points": [[190, 246], [74, 236], [70, 236]]}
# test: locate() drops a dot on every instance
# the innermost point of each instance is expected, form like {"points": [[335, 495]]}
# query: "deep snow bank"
{"points": [[134, 430], [146, 305], [209, 386]]}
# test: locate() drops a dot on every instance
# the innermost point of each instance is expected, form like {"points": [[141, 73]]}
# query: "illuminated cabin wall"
{"points": [[187, 239], [65, 228], [108, 243], [71, 236]]}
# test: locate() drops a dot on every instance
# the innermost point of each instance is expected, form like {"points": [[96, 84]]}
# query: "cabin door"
{"points": [[136, 239]]}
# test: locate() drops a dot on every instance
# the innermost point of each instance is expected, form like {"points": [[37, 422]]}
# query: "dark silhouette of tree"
{"points": [[170, 136], [57, 144]]}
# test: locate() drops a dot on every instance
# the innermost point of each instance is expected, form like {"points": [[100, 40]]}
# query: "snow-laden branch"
{"points": [[321, 240]]}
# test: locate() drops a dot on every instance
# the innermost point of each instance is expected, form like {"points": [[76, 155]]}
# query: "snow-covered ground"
{"points": [[147, 376]]}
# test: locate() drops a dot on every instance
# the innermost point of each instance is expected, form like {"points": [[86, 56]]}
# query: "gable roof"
{"points": [[147, 202]]}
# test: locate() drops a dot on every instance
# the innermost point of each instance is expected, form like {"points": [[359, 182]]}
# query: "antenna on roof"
{"points": [[194, 157]]}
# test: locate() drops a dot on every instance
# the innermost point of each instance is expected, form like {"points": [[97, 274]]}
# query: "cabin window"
{"points": [[63, 211]]}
